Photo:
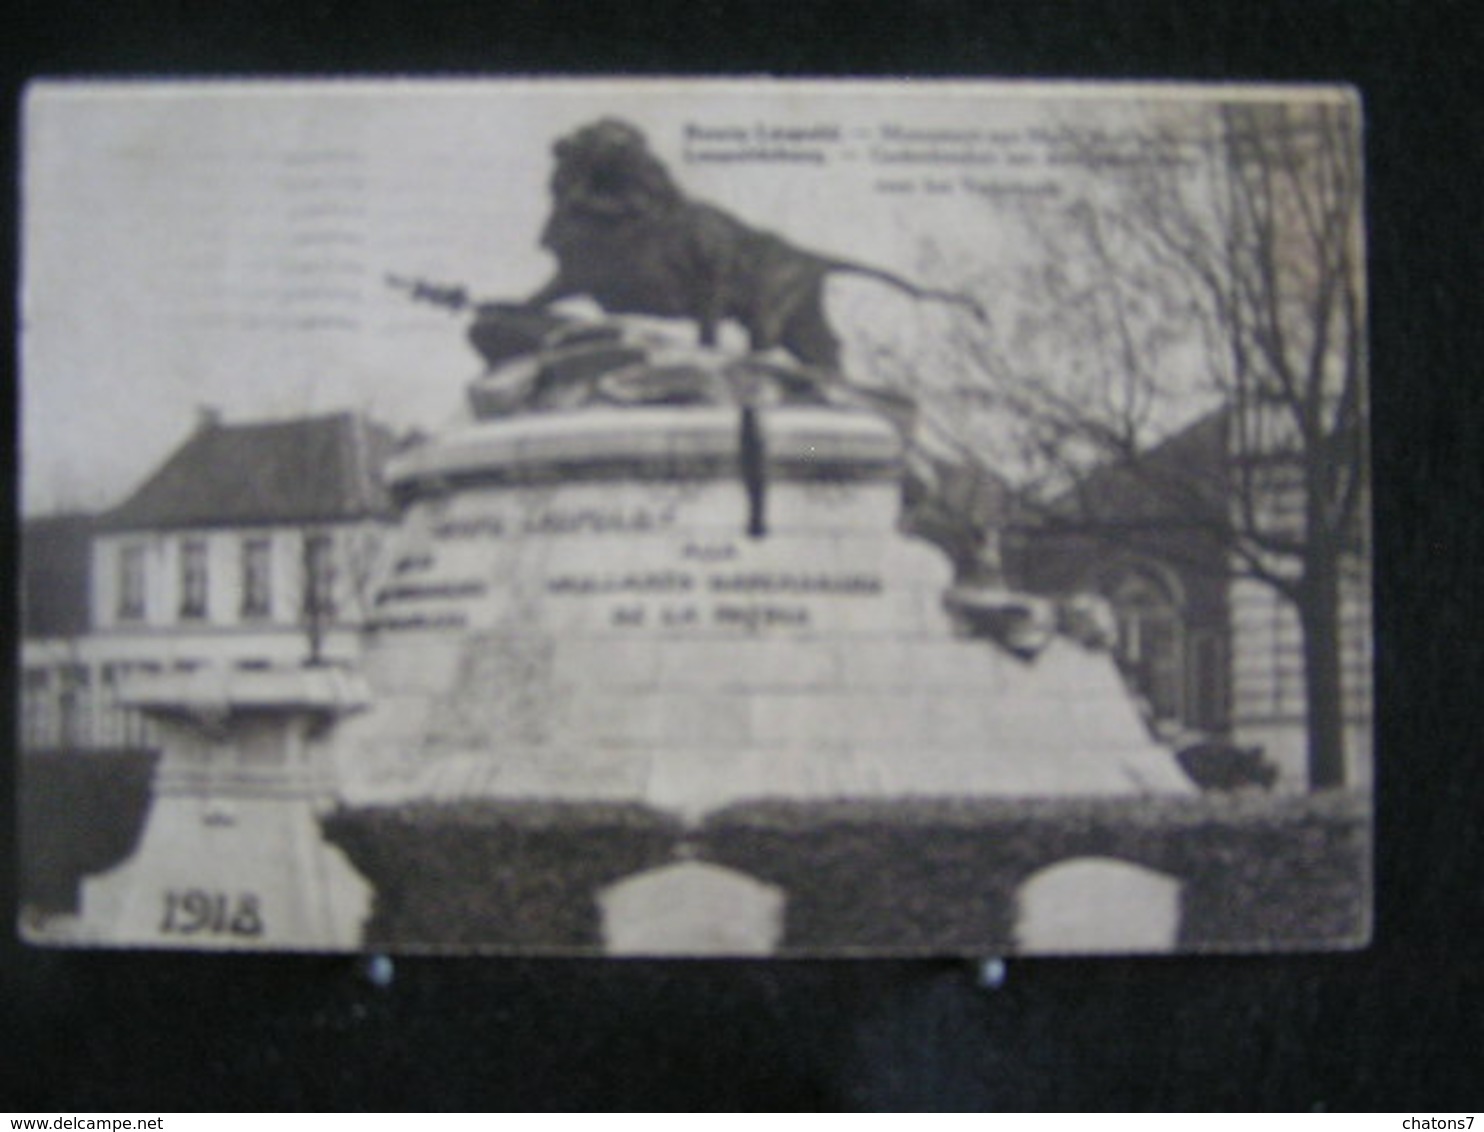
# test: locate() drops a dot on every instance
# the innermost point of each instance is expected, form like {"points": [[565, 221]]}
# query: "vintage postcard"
{"points": [[694, 518]]}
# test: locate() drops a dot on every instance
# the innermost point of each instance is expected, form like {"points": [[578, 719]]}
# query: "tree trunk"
{"points": [[1319, 616]]}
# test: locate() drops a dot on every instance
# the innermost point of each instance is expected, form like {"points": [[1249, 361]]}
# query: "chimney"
{"points": [[208, 417]]}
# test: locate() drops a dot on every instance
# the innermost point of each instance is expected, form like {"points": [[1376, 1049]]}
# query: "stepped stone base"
{"points": [[580, 610], [232, 855]]}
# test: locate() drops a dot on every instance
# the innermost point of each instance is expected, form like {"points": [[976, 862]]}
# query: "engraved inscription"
{"points": [[195, 911]]}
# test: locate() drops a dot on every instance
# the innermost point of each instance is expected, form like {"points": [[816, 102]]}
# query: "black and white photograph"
{"points": [[724, 518]]}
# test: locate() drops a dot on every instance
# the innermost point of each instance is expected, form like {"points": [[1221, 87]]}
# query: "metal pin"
{"points": [[992, 973], [379, 970]]}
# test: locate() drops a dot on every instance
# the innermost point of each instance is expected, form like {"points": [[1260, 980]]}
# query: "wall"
{"points": [[1268, 677]]}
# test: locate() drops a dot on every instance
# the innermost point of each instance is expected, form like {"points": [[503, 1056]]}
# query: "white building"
{"points": [[253, 545], [1211, 650]]}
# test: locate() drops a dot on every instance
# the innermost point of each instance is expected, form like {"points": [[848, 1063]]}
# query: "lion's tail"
{"points": [[931, 294]]}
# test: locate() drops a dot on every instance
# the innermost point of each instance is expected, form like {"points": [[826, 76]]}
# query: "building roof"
{"points": [[1183, 477], [1170, 505], [55, 575], [305, 470]]}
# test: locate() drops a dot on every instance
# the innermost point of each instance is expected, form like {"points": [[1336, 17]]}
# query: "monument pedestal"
{"points": [[585, 608], [232, 855]]}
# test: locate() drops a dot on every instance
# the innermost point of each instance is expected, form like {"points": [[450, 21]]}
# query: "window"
{"points": [[76, 704], [1209, 710], [131, 583], [1150, 638], [319, 578], [257, 578], [38, 709], [117, 724], [193, 580]]}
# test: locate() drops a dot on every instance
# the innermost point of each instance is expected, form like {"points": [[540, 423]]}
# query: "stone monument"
{"points": [[659, 577], [231, 856], [661, 574], [668, 582]]}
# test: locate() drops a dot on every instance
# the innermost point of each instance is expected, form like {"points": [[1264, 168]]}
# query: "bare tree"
{"points": [[340, 569], [1214, 265]]}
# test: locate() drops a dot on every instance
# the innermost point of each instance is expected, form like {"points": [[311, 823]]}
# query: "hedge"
{"points": [[901, 876], [80, 812], [496, 874], [1258, 871]]}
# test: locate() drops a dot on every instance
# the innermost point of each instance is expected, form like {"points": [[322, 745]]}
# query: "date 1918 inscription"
{"points": [[195, 911]]}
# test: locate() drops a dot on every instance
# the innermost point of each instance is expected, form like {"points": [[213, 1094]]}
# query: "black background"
{"points": [[1397, 1027]]}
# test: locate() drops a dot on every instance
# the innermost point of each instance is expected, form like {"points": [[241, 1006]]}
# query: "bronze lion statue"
{"points": [[625, 235]]}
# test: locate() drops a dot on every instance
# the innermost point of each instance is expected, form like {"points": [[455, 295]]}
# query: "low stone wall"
{"points": [[80, 813], [907, 876]]}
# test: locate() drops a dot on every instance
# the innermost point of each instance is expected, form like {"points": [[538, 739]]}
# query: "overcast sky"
{"points": [[225, 245]]}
